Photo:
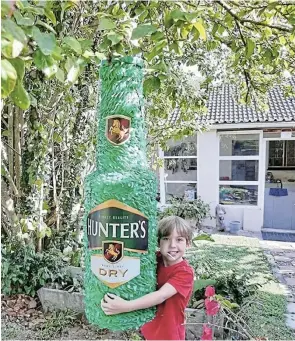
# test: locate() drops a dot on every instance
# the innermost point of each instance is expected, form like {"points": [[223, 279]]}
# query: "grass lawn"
{"points": [[265, 316]]}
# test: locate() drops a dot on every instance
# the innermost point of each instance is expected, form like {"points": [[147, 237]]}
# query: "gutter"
{"points": [[252, 125]]}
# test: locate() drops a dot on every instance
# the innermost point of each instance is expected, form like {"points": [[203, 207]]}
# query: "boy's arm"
{"points": [[117, 305]]}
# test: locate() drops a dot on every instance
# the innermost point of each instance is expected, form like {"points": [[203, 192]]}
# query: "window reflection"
{"points": [[180, 169], [238, 170], [185, 147], [239, 144], [181, 190], [238, 195]]}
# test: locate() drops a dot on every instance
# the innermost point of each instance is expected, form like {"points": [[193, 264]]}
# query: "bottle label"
{"points": [[118, 129], [115, 227]]}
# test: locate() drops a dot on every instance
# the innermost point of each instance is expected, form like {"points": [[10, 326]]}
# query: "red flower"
{"points": [[210, 291], [207, 333], [212, 307]]}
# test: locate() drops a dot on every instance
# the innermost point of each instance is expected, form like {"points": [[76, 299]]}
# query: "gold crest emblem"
{"points": [[118, 129], [113, 251]]}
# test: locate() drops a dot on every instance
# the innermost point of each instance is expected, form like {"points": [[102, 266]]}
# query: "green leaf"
{"points": [[177, 15], [8, 78], [174, 46], [73, 74], [114, 37], [215, 28], [200, 284], [106, 24], [143, 30], [60, 75], [24, 21], [20, 96], [5, 133], [86, 44], [45, 41], [48, 232], [11, 49], [42, 61], [50, 15], [45, 63], [282, 40], [151, 84], [143, 15], [24, 4], [57, 138], [57, 53], [157, 36], [12, 28], [35, 10], [44, 24], [199, 26], [250, 46], [73, 44], [100, 56], [19, 66], [153, 54]]}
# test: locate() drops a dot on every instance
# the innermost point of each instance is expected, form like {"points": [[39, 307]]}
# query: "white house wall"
{"points": [[208, 170]]}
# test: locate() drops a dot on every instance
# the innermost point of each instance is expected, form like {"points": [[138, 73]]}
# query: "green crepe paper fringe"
{"points": [[122, 174]]}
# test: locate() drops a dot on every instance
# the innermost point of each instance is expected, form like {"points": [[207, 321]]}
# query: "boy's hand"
{"points": [[112, 304]]}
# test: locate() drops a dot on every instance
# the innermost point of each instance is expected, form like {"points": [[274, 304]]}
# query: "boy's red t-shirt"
{"points": [[169, 323]]}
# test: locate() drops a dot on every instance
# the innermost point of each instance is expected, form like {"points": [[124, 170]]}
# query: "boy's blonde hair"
{"points": [[168, 224]]}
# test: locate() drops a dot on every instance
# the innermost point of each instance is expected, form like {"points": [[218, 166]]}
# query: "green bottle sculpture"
{"points": [[120, 201]]}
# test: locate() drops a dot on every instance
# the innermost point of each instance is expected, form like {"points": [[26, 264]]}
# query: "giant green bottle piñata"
{"points": [[120, 221]]}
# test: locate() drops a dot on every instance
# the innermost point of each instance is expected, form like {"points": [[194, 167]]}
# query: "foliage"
{"points": [[34, 35], [25, 271], [197, 210], [242, 275], [55, 323], [236, 287], [265, 315]]}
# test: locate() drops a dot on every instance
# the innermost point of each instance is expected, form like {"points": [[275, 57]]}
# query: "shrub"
{"points": [[25, 271], [195, 209]]}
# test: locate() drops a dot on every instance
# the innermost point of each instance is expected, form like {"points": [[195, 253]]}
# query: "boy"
{"points": [[175, 279]]}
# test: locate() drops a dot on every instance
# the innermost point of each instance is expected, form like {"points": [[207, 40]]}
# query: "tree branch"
{"points": [[282, 27]]}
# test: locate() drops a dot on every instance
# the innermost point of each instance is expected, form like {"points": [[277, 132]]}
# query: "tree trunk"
{"points": [[10, 141], [40, 224], [17, 147], [7, 204]]}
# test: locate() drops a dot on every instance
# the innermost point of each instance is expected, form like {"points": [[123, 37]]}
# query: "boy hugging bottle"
{"points": [[175, 279]]}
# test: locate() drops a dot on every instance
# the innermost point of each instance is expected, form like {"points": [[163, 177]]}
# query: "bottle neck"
{"points": [[121, 135]]}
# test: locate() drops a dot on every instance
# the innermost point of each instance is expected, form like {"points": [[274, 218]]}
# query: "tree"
{"points": [[51, 52]]}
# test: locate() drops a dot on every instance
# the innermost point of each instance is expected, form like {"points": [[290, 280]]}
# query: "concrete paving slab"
{"points": [[290, 281], [291, 308], [290, 320]]}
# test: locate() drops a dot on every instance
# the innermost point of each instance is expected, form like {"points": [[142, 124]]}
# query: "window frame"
{"points": [[163, 182], [284, 166], [258, 157]]}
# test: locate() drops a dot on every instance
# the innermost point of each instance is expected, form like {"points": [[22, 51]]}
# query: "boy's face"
{"points": [[172, 248]]}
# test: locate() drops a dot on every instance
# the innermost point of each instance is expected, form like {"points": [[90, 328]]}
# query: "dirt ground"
{"points": [[23, 319]]}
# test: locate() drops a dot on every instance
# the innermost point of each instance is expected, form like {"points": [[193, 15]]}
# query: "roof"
{"points": [[222, 107]]}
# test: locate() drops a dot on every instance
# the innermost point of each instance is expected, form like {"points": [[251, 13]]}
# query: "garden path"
{"points": [[281, 257]]}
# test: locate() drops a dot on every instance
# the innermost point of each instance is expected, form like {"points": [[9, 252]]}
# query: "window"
{"points": [[238, 169], [238, 195], [281, 154], [180, 169]]}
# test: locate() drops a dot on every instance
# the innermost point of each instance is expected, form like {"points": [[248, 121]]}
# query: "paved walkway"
{"points": [[281, 256]]}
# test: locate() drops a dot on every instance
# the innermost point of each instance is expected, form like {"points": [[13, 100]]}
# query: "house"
{"points": [[244, 161]]}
